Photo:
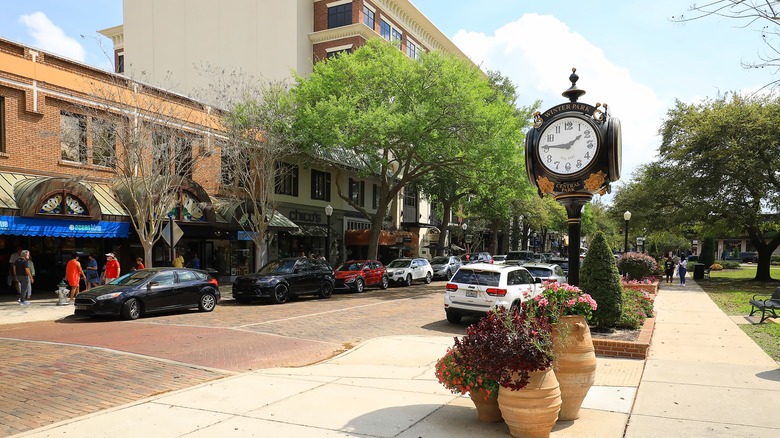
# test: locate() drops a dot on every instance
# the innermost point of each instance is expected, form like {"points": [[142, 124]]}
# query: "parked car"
{"points": [[518, 257], [477, 287], [406, 270], [281, 279], [356, 275], [499, 259], [445, 266], [480, 257], [150, 290], [546, 271]]}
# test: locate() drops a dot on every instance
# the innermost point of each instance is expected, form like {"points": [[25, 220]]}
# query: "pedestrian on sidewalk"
{"points": [[682, 269], [668, 269], [74, 273], [23, 276], [112, 269], [93, 274], [11, 277]]}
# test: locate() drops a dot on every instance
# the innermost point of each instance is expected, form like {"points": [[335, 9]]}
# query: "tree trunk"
{"points": [[147, 246], [373, 242], [445, 222]]}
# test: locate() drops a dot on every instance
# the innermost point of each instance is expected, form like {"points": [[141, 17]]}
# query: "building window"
{"points": [[411, 49], [368, 17], [161, 159], [410, 196], [2, 124], [339, 15], [384, 29], [375, 202], [103, 143], [182, 164], [320, 185], [357, 191], [286, 179], [73, 137], [336, 53], [396, 35], [120, 63]]}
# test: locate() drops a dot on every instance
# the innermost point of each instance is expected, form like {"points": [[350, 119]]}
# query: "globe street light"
{"points": [[627, 217], [328, 213]]}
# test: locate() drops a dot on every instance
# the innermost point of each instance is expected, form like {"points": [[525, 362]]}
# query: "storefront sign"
{"points": [[23, 226], [305, 216]]}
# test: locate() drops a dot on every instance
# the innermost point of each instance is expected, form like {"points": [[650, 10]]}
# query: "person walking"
{"points": [[194, 262], [668, 269], [93, 272], [682, 269], [74, 273], [112, 269], [23, 276], [139, 263], [178, 262], [11, 277]]}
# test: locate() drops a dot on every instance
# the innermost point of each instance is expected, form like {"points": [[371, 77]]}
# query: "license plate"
{"points": [[471, 294], [82, 307]]}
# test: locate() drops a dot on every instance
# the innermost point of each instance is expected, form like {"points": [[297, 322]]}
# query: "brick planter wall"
{"points": [[627, 349], [649, 288]]}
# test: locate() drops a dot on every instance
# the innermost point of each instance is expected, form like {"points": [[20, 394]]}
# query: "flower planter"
{"points": [[487, 406], [574, 363], [651, 288], [531, 412]]}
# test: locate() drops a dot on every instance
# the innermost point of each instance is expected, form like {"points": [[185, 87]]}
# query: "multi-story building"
{"points": [[173, 42]]}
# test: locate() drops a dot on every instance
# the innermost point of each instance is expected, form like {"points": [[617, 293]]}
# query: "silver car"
{"points": [[546, 271], [445, 266]]}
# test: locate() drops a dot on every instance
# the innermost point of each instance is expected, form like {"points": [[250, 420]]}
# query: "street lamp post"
{"points": [[627, 217], [465, 227], [328, 213]]}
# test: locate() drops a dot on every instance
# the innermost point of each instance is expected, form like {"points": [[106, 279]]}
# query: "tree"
{"points": [[600, 279], [147, 136], [257, 121], [729, 150], [401, 118], [749, 14]]}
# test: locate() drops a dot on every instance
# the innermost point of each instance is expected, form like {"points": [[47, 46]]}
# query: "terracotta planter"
{"points": [[574, 363], [532, 411], [487, 406]]}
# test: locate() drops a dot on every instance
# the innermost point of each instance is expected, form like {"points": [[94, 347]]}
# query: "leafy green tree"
{"points": [[402, 118], [600, 279]]}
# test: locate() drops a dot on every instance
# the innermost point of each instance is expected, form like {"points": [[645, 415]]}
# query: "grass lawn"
{"points": [[732, 289]]}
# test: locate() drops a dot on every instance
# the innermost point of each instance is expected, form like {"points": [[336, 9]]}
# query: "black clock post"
{"points": [[573, 152]]}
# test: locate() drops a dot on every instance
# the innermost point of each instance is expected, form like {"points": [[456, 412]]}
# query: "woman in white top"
{"points": [[683, 269]]}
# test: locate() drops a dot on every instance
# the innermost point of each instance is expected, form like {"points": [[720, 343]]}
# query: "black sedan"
{"points": [[282, 279], [150, 290]]}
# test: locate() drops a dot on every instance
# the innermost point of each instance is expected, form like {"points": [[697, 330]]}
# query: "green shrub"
{"points": [[637, 266], [729, 264], [637, 307], [600, 278]]}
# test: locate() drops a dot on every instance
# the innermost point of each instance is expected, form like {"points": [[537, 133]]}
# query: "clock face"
{"points": [[568, 145]]}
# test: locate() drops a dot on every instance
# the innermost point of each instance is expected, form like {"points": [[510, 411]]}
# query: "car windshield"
{"points": [[498, 258], [471, 276], [399, 264], [350, 266], [539, 272], [133, 278], [278, 267], [440, 260], [519, 256]]}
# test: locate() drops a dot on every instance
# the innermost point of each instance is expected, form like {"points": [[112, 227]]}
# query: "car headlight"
{"points": [[110, 296]]}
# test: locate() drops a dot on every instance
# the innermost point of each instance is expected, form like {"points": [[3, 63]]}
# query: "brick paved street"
{"points": [[55, 370]]}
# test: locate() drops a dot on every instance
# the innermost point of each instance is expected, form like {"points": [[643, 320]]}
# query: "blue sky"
{"points": [[628, 53]]}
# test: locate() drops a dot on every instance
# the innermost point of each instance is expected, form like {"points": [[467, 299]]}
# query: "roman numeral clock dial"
{"points": [[568, 146]]}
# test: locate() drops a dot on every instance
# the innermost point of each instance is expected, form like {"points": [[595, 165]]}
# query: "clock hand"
{"points": [[566, 145]]}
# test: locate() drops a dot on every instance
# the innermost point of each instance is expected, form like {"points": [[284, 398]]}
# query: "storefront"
{"points": [[392, 244]]}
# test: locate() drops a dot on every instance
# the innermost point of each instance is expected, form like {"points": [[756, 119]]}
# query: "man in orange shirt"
{"points": [[111, 272], [74, 273]]}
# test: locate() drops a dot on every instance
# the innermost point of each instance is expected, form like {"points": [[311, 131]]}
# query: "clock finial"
{"points": [[573, 93]]}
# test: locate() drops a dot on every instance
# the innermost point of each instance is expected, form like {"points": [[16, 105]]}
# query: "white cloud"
{"points": [[537, 52], [48, 36]]}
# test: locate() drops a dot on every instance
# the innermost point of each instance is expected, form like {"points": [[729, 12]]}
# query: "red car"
{"points": [[357, 274]]}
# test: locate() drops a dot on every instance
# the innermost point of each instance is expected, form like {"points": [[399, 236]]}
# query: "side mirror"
{"points": [[366, 268], [538, 280], [151, 284]]}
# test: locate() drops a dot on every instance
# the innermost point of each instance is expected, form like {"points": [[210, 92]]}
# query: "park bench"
{"points": [[767, 306]]}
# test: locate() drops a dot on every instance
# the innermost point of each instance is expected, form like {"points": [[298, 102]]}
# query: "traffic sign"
{"points": [[177, 233]]}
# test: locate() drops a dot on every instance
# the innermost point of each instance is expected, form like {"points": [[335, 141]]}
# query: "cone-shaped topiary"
{"points": [[599, 277]]}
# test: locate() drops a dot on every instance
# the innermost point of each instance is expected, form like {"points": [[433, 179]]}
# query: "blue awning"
{"points": [[24, 226]]}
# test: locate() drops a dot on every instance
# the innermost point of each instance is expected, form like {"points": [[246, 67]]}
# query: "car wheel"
{"points": [[428, 278], [281, 294], [131, 309], [207, 302], [448, 275], [409, 280], [385, 282], [453, 317], [359, 286], [326, 290]]}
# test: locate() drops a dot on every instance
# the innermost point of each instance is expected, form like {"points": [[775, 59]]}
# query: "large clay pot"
{"points": [[574, 363], [487, 406], [532, 411]]}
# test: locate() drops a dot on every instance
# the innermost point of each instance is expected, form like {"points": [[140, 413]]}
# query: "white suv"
{"points": [[407, 270], [478, 287]]}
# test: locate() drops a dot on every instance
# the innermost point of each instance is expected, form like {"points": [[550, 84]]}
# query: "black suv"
{"points": [[283, 278]]}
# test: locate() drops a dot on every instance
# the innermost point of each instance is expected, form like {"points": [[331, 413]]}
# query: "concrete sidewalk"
{"points": [[704, 377]]}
